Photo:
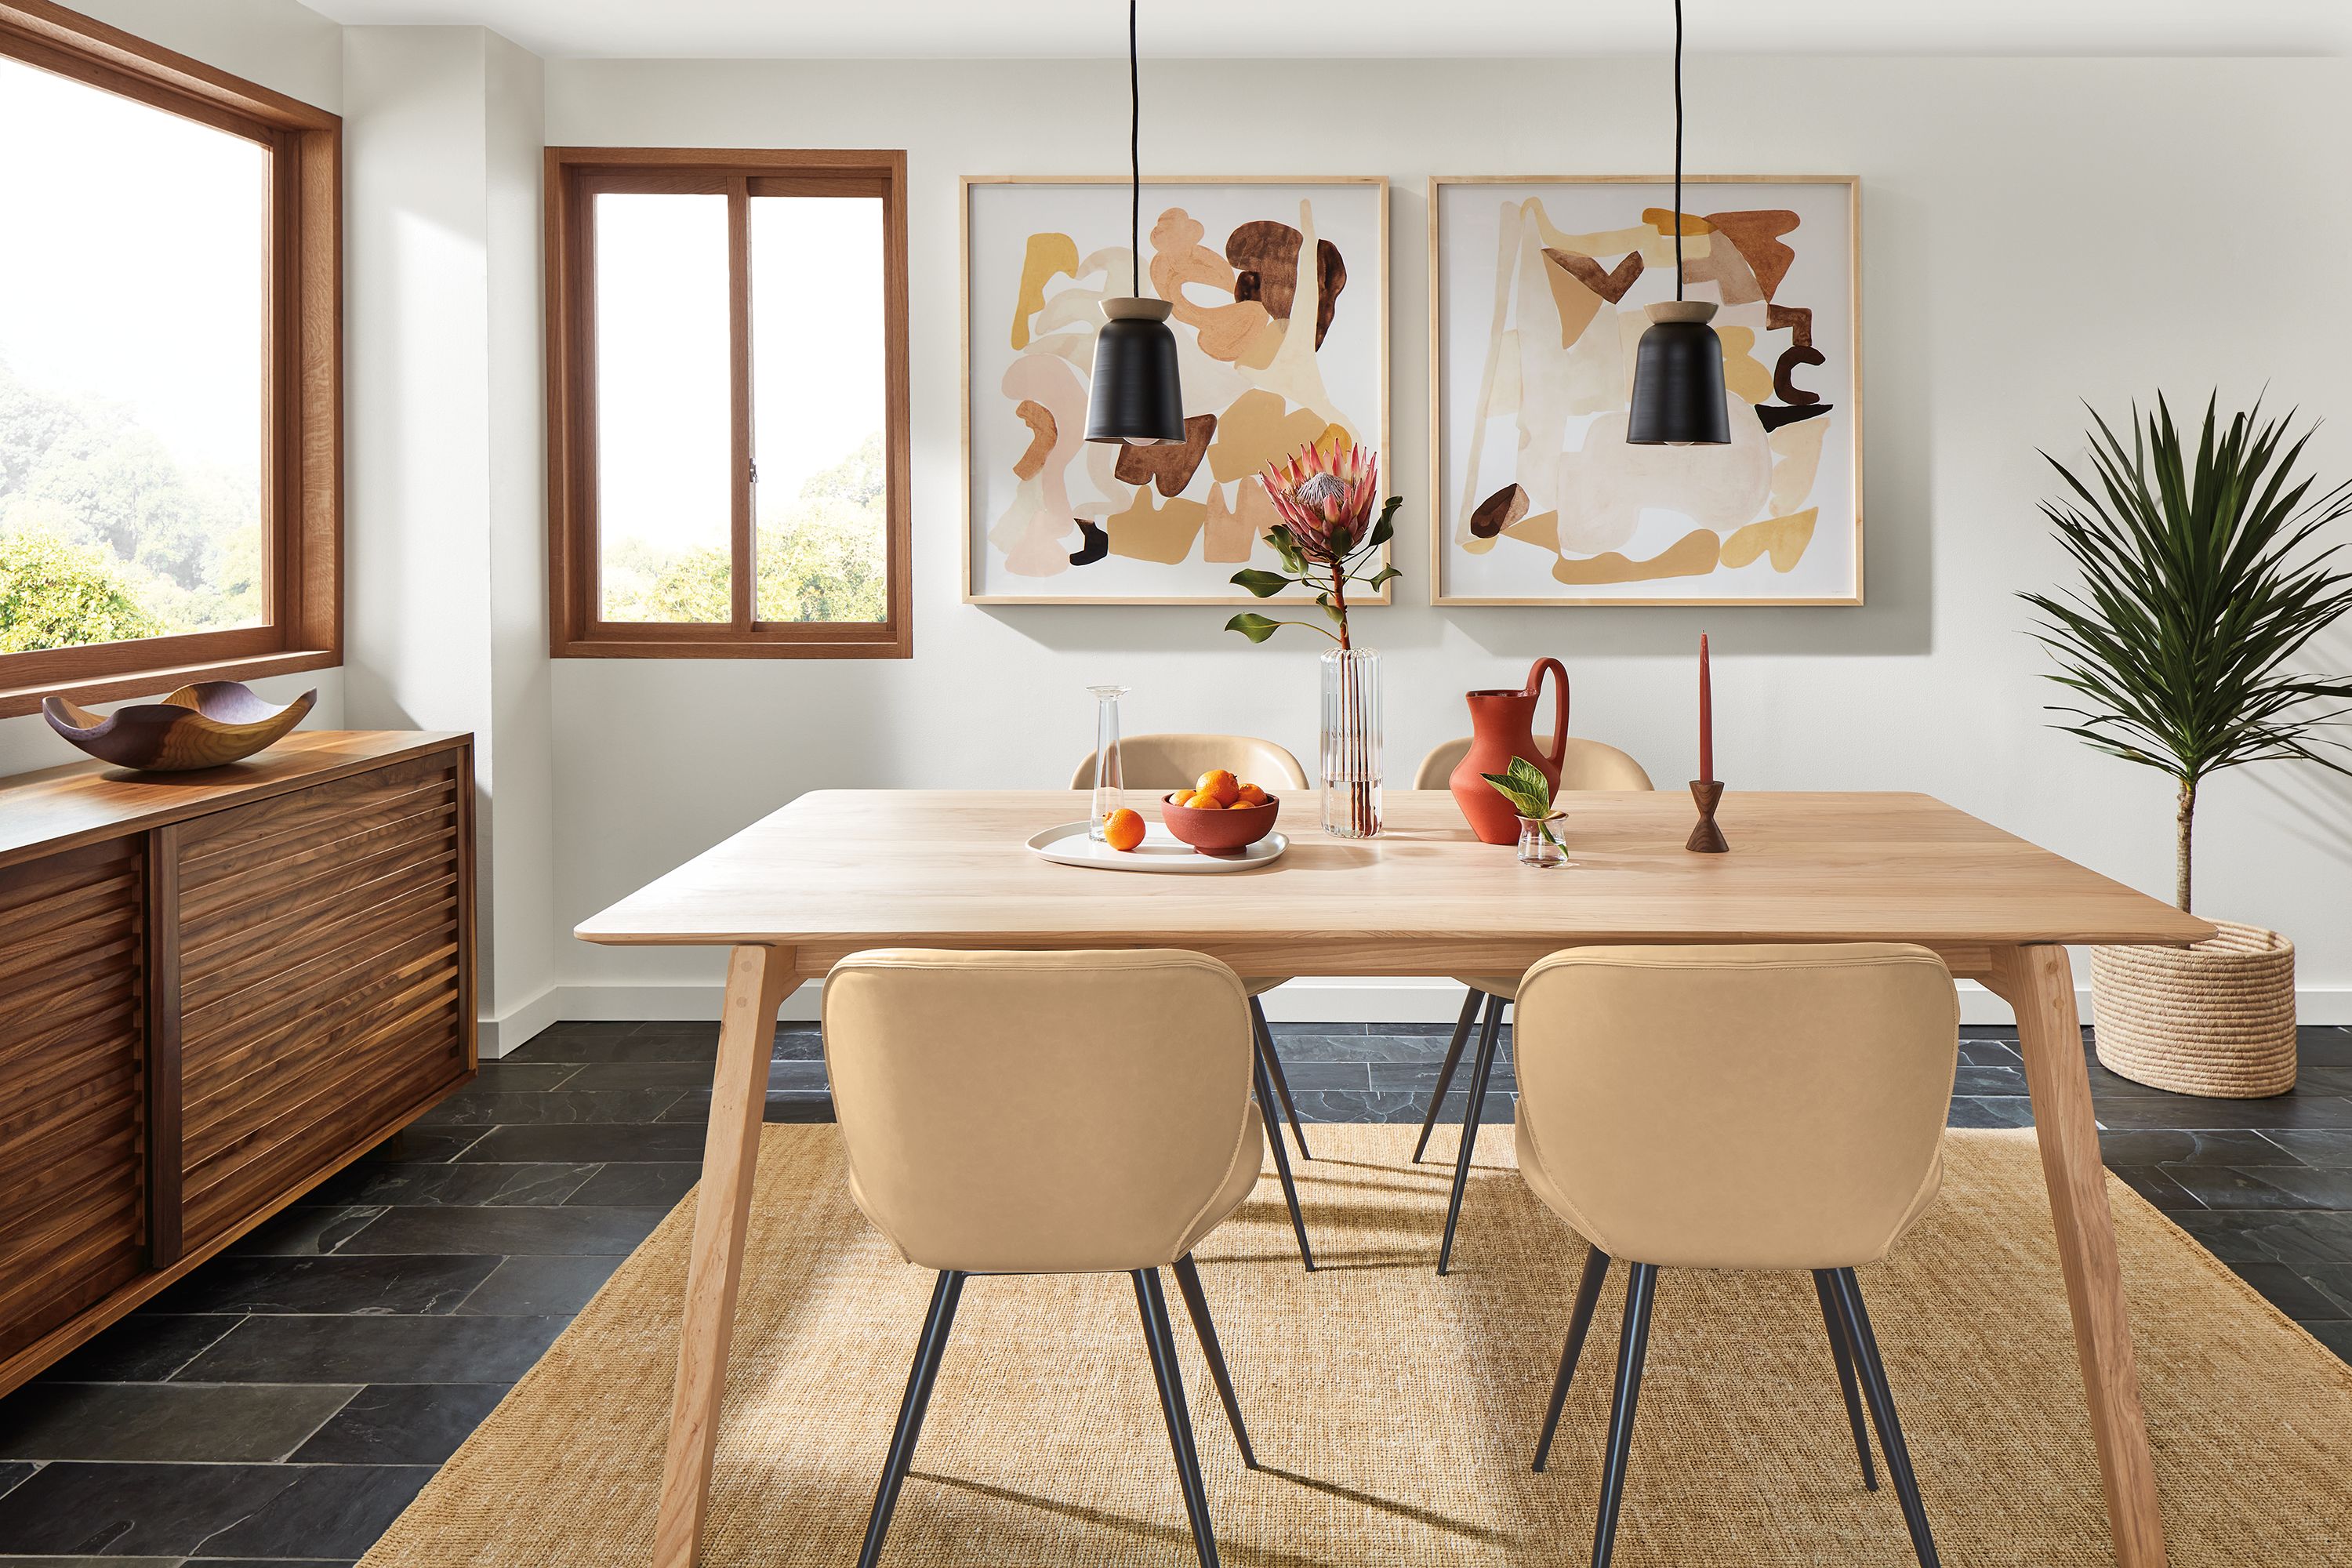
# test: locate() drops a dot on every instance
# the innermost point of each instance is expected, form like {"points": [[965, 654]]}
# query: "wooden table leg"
{"points": [[2039, 984], [757, 980]]}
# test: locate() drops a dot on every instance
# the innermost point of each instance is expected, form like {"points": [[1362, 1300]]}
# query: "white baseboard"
{"points": [[1358, 1000]]}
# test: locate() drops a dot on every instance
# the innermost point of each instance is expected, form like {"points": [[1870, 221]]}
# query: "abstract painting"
{"points": [[1539, 291], [1279, 290]]}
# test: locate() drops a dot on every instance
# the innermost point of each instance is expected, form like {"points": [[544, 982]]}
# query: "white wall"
{"points": [[297, 52], [2035, 233], [446, 612]]}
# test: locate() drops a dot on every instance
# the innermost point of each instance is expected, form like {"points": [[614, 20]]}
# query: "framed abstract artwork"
{"points": [[1280, 294], [1540, 289]]}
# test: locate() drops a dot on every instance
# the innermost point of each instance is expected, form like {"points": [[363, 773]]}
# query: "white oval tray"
{"points": [[1161, 850]]}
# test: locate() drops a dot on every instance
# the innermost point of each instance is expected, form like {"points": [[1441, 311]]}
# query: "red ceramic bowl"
{"points": [[1224, 834]]}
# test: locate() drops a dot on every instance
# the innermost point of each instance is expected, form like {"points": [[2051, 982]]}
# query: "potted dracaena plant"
{"points": [[2204, 577], [1325, 539]]}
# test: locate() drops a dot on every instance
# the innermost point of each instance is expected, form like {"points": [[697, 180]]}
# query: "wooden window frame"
{"points": [[575, 176], [302, 467]]}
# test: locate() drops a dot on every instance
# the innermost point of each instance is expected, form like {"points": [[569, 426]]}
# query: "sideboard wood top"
{"points": [[80, 803]]}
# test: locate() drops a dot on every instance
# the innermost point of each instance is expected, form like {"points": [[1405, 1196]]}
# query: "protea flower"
{"points": [[1326, 501]]}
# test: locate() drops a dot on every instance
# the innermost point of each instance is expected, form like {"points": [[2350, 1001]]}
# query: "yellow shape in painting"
{"points": [[1542, 528], [1048, 257], [1255, 429], [1784, 537], [1164, 535], [1692, 555], [1796, 460], [1233, 532], [1743, 374], [1576, 303]]}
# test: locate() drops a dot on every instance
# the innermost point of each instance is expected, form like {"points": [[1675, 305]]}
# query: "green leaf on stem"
{"points": [[1263, 585], [1380, 577]]}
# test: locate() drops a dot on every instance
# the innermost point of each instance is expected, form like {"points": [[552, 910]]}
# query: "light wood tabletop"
{"points": [[839, 871]]}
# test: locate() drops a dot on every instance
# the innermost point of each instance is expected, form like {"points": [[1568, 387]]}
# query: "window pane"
{"points": [[132, 389], [817, 407], [664, 425]]}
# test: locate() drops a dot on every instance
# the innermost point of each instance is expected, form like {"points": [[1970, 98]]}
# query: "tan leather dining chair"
{"points": [[1152, 765], [1046, 1113], [1583, 765], [1766, 1107]]}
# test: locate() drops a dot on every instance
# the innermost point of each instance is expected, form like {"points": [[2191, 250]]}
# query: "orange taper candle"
{"points": [[1705, 716]]}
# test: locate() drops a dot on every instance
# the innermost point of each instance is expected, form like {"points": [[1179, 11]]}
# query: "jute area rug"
{"points": [[1396, 1411]]}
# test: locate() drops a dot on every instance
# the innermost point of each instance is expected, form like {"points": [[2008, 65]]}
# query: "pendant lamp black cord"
{"points": [[1678, 147], [1135, 158]]}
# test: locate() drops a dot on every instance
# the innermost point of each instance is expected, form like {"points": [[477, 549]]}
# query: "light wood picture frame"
{"points": [[1536, 498], [1052, 520]]}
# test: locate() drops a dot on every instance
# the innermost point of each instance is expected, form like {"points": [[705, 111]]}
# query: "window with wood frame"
{"points": [[727, 404], [171, 324]]}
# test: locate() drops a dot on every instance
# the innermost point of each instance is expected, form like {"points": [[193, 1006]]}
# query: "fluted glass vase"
{"points": [[1351, 742]]}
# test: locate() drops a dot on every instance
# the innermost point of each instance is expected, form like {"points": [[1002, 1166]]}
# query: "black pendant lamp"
{"points": [[1678, 366], [1135, 397]]}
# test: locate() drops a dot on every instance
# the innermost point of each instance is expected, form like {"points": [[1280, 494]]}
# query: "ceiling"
{"points": [[1281, 28]]}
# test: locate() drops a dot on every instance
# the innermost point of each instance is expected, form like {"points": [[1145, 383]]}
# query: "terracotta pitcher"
{"points": [[1503, 726]]}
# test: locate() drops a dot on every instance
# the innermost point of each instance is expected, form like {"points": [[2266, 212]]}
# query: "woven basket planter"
{"points": [[2217, 1018]]}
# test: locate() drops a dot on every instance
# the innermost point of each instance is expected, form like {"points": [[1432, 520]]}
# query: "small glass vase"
{"points": [[1109, 775], [1351, 742], [1538, 846]]}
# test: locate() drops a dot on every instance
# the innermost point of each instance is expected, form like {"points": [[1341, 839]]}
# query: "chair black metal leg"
{"points": [[1856, 1319], [1829, 1319], [1274, 1071], [1159, 1339], [1580, 1322], [1445, 1073], [929, 1350], [1480, 1071], [1633, 1348], [1187, 1281], [1282, 1160]]}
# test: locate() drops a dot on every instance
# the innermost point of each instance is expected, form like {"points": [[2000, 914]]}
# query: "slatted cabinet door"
{"points": [[72, 1085], [320, 976]]}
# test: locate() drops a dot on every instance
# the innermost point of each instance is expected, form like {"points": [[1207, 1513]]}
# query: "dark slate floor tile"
{"points": [[1364, 1048], [641, 1075], [1990, 1053], [421, 1145], [11, 1473], [2333, 1280], [461, 1349], [473, 1107], [1419, 1077], [796, 1076], [592, 1143], [305, 1228], [377, 1286], [2242, 1147], [494, 1232], [693, 1107], [1307, 1077], [2331, 1147], [2289, 1291], [796, 1045], [621, 1048], [121, 1510], [339, 1509], [2267, 1186], [2335, 1334], [541, 1287], [1357, 1105], [1991, 1111], [662, 1183], [2157, 1186], [2287, 1111], [265, 1563], [143, 1348], [46, 1561], [401, 1424], [471, 1183], [2298, 1239], [1998, 1078], [164, 1422], [505, 1076], [2325, 1077]]}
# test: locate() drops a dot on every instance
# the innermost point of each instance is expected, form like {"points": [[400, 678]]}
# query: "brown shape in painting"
{"points": [[1790, 358], [1757, 236], [1498, 512], [1043, 433], [1170, 466], [1610, 285], [1265, 258]]}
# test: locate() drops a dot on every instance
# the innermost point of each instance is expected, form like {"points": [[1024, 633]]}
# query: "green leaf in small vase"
{"points": [[1382, 575], [1286, 546], [1255, 627], [1263, 585], [1383, 529]]}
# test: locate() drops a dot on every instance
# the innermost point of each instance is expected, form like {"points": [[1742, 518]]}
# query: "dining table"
{"points": [[838, 871]]}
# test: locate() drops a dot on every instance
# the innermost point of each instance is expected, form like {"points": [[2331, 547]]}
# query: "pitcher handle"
{"points": [[1535, 672]]}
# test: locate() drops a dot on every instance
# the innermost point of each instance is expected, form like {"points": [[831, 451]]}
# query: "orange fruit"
{"points": [[1202, 800], [1122, 829], [1221, 785], [1253, 796]]}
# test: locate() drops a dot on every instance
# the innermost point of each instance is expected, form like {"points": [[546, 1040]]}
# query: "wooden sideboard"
{"points": [[217, 989]]}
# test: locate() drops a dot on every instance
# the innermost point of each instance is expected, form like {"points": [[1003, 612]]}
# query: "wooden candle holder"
{"points": [[1706, 838]]}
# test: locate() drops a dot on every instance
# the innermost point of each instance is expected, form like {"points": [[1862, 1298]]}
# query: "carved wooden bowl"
{"points": [[207, 725], [1223, 834]]}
